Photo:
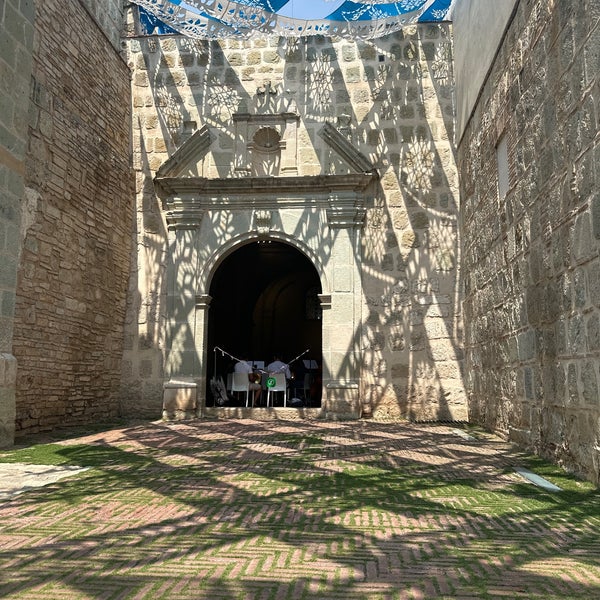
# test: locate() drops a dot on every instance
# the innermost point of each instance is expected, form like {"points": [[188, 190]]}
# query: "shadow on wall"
{"points": [[402, 119], [141, 391], [411, 340]]}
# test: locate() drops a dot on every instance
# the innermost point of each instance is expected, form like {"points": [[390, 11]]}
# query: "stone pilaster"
{"points": [[204, 354], [183, 391], [342, 324], [183, 221]]}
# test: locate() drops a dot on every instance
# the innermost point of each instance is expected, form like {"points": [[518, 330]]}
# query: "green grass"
{"points": [[43, 454]]}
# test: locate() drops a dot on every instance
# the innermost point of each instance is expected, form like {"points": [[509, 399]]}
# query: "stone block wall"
{"points": [[16, 43], [530, 174], [393, 99], [108, 15], [77, 217]]}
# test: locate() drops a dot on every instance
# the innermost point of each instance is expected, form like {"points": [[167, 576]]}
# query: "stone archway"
{"points": [[264, 300], [210, 218]]}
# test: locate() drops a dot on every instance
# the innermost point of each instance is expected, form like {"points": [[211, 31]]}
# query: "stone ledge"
{"points": [[263, 413]]}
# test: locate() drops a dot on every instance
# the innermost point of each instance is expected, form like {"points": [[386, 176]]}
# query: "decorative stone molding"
{"points": [[262, 221], [325, 300], [346, 211], [264, 192], [266, 119], [203, 301], [342, 145], [193, 149], [181, 214]]}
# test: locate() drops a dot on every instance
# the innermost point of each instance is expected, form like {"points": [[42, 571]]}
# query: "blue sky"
{"points": [[319, 9], [309, 9]]}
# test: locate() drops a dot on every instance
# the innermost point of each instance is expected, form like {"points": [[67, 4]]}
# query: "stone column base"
{"points": [[342, 401], [180, 399]]}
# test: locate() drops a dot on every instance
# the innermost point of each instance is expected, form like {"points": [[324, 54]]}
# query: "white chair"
{"points": [[280, 386], [241, 383]]}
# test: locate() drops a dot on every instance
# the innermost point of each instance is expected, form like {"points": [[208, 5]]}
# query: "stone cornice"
{"points": [[244, 192], [265, 117]]}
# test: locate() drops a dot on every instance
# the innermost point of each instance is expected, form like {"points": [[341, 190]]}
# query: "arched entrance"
{"points": [[228, 287], [264, 300]]}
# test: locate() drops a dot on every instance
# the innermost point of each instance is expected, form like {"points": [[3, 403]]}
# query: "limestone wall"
{"points": [[478, 29], [393, 100], [76, 222], [108, 15], [529, 164], [16, 33]]}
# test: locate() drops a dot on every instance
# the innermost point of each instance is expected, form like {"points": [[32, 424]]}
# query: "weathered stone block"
{"points": [[593, 332], [527, 345], [179, 399], [342, 401], [582, 244], [576, 335], [595, 207], [589, 383]]}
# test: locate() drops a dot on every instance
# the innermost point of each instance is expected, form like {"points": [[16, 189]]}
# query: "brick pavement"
{"points": [[286, 510]]}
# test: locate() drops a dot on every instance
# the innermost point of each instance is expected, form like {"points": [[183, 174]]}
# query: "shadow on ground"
{"points": [[247, 509]]}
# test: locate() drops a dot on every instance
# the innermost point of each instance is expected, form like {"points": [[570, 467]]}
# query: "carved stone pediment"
{"points": [[357, 161], [192, 150], [186, 198]]}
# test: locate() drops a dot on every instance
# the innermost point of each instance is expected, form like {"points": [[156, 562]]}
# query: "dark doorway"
{"points": [[264, 301]]}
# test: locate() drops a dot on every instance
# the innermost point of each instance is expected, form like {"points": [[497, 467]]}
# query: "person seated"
{"points": [[243, 366], [278, 366], [297, 380]]}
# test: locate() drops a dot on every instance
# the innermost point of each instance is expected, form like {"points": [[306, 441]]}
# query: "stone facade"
{"points": [[392, 336], [343, 151], [76, 218], [530, 164]]}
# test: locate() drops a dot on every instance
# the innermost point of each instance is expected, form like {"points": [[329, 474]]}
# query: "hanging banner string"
{"points": [[225, 353], [299, 356], [281, 369]]}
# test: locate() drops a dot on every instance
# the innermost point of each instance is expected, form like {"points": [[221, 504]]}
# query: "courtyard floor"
{"points": [[277, 510]]}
